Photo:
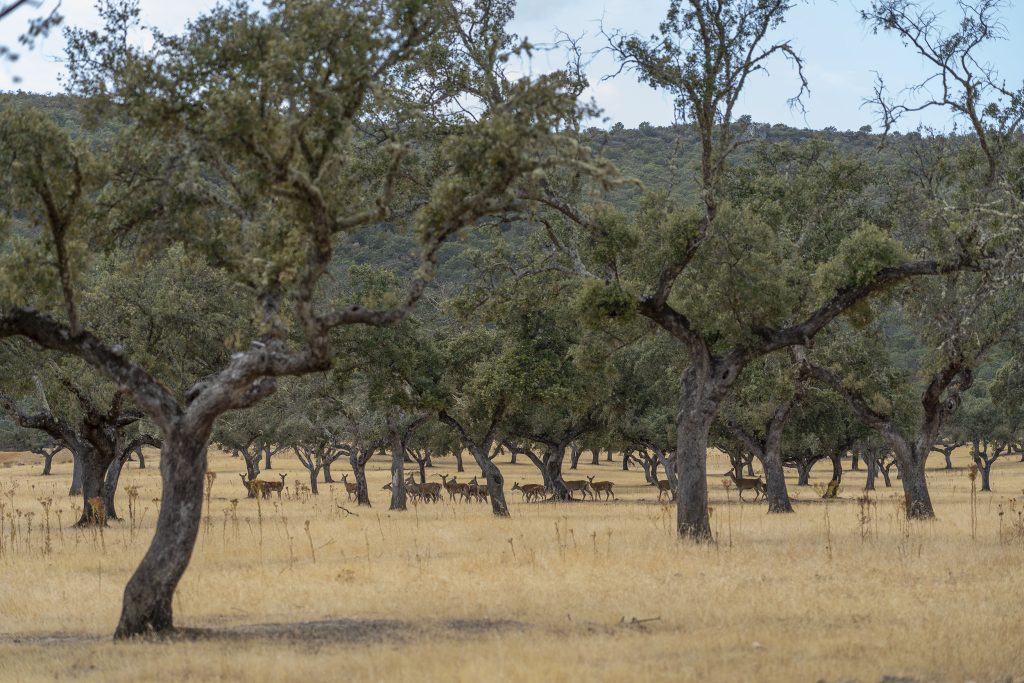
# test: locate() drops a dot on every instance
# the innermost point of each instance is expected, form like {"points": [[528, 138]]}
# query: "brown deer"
{"points": [[747, 484], [453, 487], [665, 487], [351, 489], [581, 485], [604, 487], [478, 491], [276, 486], [530, 492]]}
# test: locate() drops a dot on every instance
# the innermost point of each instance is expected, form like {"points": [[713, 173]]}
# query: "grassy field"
{"points": [[297, 589]]}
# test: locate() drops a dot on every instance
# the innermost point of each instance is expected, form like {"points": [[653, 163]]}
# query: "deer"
{"points": [[604, 487], [255, 487], [351, 489], [453, 487], [530, 492], [478, 491], [277, 486], [665, 487], [747, 484], [581, 485]]}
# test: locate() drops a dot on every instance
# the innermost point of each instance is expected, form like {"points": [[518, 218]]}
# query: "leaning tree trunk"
{"points": [[328, 479], [837, 467], [422, 464], [398, 498], [574, 456], [885, 476], [110, 484], [149, 594], [626, 454], [142, 458], [495, 481], [76, 474], [359, 472]]}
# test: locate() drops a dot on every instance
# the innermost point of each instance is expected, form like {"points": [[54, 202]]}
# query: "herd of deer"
{"points": [[262, 488], [475, 491]]}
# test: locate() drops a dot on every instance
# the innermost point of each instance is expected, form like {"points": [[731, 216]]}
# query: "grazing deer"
{"points": [[431, 491], [277, 486], [581, 485], [747, 484], [665, 487], [530, 492], [351, 489], [604, 487], [453, 487]]}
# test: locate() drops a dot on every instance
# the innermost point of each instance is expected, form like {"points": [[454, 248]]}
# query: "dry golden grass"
{"points": [[447, 592]]}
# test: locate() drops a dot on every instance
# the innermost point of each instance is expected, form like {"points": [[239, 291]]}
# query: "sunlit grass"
{"points": [[841, 590]]}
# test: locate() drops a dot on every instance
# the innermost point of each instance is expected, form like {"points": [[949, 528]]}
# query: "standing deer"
{"points": [[477, 491], [277, 486], [604, 487], [453, 487], [351, 489], [747, 484], [581, 485], [665, 487]]}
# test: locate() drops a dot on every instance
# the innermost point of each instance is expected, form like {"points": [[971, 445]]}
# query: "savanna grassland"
{"points": [[299, 589]]}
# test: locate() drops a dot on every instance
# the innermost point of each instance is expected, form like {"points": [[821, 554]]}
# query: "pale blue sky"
{"points": [[840, 55]]}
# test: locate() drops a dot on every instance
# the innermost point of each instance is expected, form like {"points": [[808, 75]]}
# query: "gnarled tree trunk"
{"points": [[149, 594]]}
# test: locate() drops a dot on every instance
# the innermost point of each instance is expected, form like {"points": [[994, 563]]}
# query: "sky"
{"points": [[841, 57]]}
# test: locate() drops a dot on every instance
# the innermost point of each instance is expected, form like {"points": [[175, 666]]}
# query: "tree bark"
{"points": [[142, 458], [422, 464], [458, 460], [803, 470], [149, 594], [398, 497], [94, 469], [915, 490], [777, 492], [553, 457], [574, 456], [314, 474], [358, 464], [113, 475], [328, 479], [76, 474], [595, 456], [871, 459], [267, 454], [855, 462], [495, 481]]}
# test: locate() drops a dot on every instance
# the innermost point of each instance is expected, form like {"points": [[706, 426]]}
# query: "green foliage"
{"points": [[858, 259]]}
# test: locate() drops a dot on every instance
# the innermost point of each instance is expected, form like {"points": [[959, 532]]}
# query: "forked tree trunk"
{"points": [[252, 463], [886, 479], [359, 472], [149, 594], [48, 461]]}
